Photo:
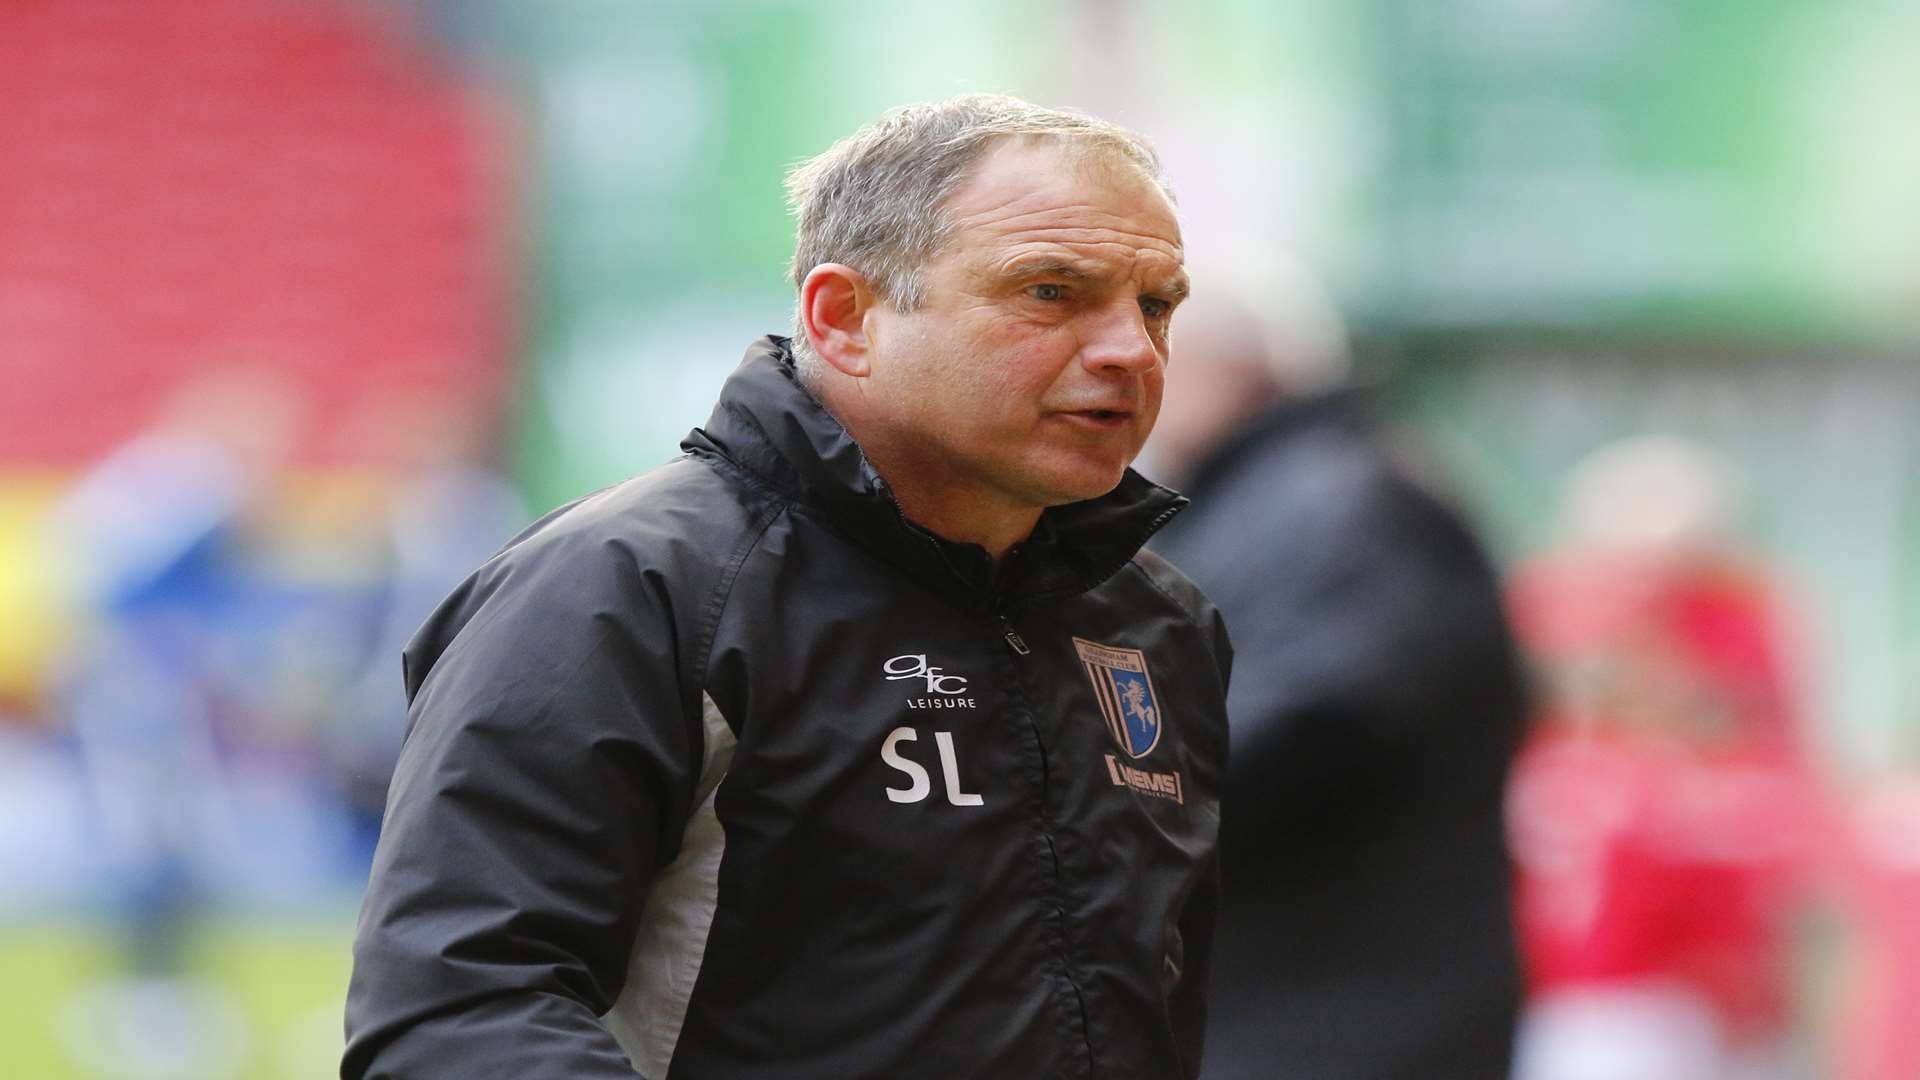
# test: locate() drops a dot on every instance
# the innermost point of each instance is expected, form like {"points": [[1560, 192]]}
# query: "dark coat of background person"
{"points": [[1365, 932]]}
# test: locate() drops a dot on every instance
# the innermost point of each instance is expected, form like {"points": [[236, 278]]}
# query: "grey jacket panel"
{"points": [[551, 760]]}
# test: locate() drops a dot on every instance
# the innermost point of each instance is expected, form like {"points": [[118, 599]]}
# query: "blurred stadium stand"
{"points": [[190, 182]]}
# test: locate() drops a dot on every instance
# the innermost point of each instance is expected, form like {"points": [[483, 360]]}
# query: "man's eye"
{"points": [[1154, 308], [1047, 292]]}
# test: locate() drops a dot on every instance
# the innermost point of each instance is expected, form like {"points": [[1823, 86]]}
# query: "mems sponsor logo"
{"points": [[1164, 785]]}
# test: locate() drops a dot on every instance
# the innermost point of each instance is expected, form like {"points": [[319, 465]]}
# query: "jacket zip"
{"points": [[1018, 643], [1057, 901]]}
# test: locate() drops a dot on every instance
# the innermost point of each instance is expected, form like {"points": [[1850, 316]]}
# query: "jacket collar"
{"points": [[771, 427]]}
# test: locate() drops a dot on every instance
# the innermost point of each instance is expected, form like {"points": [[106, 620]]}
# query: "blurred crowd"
{"points": [[221, 721]]}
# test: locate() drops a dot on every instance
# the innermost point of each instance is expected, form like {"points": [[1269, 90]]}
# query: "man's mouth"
{"points": [[1100, 417]]}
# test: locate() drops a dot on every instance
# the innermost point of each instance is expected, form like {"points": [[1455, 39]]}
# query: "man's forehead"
{"points": [[1042, 204], [1054, 167]]}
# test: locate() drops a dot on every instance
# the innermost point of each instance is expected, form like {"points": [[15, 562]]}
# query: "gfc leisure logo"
{"points": [[943, 691]]}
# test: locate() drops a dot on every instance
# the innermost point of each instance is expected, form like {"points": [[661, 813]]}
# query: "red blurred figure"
{"points": [[1883, 1016], [1661, 814]]}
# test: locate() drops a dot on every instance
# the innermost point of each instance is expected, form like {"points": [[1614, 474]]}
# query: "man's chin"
{"points": [[1089, 484]]}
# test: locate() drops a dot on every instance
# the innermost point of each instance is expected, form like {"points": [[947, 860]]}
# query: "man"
{"points": [[861, 740], [1365, 927]]}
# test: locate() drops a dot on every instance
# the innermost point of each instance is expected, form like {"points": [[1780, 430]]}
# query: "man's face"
{"points": [[1032, 374]]}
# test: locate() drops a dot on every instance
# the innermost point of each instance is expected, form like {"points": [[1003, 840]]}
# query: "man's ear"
{"points": [[835, 300]]}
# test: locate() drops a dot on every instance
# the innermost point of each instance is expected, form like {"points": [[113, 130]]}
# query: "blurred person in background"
{"points": [[233, 697], [440, 509], [668, 801], [1661, 813], [1880, 1001], [163, 541], [1365, 926], [1880, 1010]]}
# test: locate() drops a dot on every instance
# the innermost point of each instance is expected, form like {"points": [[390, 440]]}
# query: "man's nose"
{"points": [[1120, 341]]}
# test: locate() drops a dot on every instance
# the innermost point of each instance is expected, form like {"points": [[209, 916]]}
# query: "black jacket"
{"points": [[1365, 928], [732, 770]]}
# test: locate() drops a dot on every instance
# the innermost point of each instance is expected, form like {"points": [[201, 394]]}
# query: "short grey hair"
{"points": [[874, 200]]}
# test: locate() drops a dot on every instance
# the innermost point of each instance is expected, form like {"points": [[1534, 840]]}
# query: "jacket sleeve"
{"points": [[546, 775]]}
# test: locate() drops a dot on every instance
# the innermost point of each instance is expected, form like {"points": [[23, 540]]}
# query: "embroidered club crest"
{"points": [[1124, 689]]}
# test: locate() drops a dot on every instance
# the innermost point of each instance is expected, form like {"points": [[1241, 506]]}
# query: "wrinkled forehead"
{"points": [[1029, 196]]}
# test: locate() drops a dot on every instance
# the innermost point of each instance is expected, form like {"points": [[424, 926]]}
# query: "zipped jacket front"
{"points": [[731, 771]]}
